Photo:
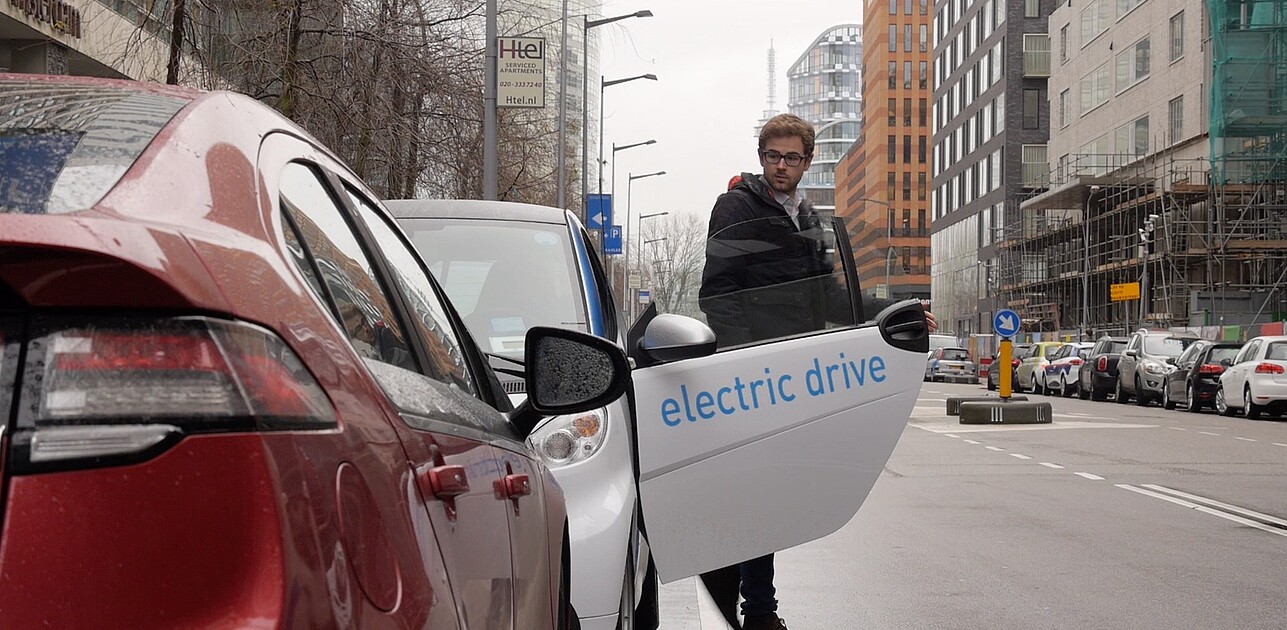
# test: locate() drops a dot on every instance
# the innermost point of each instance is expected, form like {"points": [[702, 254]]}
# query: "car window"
{"points": [[1277, 351], [1115, 347], [1165, 346], [1134, 342], [1220, 354], [1051, 351], [446, 358], [361, 305], [504, 277], [955, 354], [1191, 354]]}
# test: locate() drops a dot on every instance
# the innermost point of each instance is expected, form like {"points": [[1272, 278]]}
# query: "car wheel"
{"points": [[1194, 405], [1167, 403], [1250, 409], [1141, 399], [1081, 391], [1096, 393], [1222, 405], [1120, 394], [1063, 387], [1035, 389], [991, 386]]}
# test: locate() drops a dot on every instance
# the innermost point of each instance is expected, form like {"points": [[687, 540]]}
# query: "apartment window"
{"points": [[922, 228], [907, 112], [907, 38], [1095, 18], [907, 149], [1132, 138], [1177, 36], [1132, 65], [1126, 6], [1032, 109], [1095, 88], [891, 185], [920, 191], [920, 118], [907, 186], [920, 149], [893, 74], [907, 7], [924, 80], [1063, 44], [907, 223], [1175, 119], [1031, 8], [1063, 109], [893, 37], [893, 7], [892, 155], [1036, 173], [907, 254], [907, 75], [924, 37], [893, 112], [924, 6]]}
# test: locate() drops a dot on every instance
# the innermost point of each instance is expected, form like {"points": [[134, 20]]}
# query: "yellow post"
{"points": [[1003, 364]]}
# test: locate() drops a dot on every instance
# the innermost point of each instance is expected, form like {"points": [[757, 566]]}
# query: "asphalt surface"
{"points": [[1114, 516]]}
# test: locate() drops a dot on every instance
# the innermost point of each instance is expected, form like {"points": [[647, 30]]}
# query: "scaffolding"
{"points": [[1248, 126]]}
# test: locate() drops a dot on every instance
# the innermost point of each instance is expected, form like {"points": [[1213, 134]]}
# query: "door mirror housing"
{"points": [[1226, 362], [1170, 360], [669, 337], [568, 372], [1130, 353]]}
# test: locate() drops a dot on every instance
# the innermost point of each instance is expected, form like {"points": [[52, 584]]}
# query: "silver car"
{"points": [[950, 364]]}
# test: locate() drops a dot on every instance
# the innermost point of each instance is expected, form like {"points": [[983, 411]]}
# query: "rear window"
{"points": [[956, 355], [1051, 351], [1220, 354], [62, 147], [1277, 351]]}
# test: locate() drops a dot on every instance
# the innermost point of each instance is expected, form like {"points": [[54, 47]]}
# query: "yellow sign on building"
{"points": [[1124, 291]]}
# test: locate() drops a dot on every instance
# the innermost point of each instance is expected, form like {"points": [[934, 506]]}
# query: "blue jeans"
{"points": [[757, 587]]}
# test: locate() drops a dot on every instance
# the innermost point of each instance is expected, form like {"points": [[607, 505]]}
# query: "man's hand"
{"points": [[929, 318]]}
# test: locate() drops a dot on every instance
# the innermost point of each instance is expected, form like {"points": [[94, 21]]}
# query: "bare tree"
{"points": [[671, 255]]}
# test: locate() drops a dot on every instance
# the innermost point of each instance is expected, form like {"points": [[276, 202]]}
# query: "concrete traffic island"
{"points": [[954, 402], [1003, 411]]}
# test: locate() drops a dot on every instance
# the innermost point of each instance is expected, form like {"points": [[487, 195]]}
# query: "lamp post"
{"points": [[639, 222], [603, 85], [628, 234], [612, 184], [586, 25], [491, 152], [1085, 276], [1146, 236]]}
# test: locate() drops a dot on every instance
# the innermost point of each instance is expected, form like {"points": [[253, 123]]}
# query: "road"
{"points": [[1114, 516]]}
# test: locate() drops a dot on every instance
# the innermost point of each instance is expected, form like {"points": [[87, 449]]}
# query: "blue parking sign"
{"points": [[598, 211], [612, 240]]}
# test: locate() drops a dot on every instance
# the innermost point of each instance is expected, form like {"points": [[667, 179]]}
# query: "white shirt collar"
{"points": [[791, 203]]}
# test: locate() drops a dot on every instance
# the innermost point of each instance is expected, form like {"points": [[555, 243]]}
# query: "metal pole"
{"points": [[625, 240], [600, 167], [1085, 277], [491, 152], [585, 123], [561, 167]]}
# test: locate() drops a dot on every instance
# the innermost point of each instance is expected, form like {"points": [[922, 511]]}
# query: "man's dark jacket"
{"points": [[766, 277]]}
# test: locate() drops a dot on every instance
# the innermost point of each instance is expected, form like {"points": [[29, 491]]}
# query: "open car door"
{"points": [[775, 439]]}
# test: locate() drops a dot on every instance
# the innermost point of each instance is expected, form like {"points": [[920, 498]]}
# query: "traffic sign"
{"points": [[1006, 323], [612, 240], [644, 296], [598, 211]]}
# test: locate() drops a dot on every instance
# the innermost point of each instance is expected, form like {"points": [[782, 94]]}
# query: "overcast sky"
{"points": [[710, 60]]}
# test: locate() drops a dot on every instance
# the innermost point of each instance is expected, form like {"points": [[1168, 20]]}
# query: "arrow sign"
{"points": [[1006, 323], [598, 211]]}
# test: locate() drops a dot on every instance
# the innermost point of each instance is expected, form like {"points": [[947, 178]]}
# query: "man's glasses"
{"points": [[792, 159]]}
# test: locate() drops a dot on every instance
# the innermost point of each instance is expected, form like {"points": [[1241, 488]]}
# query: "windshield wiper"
{"points": [[522, 372]]}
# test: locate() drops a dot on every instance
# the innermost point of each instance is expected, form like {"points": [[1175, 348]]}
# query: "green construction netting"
{"points": [[1248, 126]]}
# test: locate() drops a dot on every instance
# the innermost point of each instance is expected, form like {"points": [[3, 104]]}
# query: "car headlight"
{"points": [[565, 440], [1154, 368]]}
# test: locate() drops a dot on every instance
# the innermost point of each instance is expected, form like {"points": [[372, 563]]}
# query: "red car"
{"points": [[232, 394]]}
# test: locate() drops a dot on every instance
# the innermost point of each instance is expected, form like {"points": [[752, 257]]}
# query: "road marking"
{"points": [[1079, 414], [1202, 508], [1246, 439], [994, 448], [1177, 429], [1019, 456], [951, 435], [1278, 444], [1058, 424], [1264, 518], [1050, 465], [1090, 476], [1209, 433], [972, 442]]}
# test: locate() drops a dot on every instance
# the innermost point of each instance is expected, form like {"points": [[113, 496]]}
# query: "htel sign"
{"points": [[522, 49]]}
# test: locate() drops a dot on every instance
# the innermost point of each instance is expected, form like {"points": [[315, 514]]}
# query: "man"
{"points": [[768, 274]]}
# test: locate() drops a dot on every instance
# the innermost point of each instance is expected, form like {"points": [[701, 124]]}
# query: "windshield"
{"points": [[1166, 346], [503, 276], [1052, 350]]}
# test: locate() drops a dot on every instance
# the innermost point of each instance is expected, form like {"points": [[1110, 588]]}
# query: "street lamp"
{"points": [[604, 84], [612, 185], [629, 233], [1146, 236], [586, 25]]}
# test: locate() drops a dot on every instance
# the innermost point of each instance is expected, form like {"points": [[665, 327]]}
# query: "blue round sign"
{"points": [[1005, 323]]}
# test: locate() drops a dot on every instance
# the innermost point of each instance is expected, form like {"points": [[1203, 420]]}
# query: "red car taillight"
{"points": [[1074, 361], [1211, 368], [1015, 362], [1269, 368], [126, 387], [1102, 364]]}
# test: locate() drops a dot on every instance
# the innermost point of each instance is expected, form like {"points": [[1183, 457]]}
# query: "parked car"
{"points": [[510, 266], [1064, 368], [940, 340], [1256, 383], [237, 391], [1099, 376], [1196, 377], [950, 364], [994, 372], [1148, 357], [1028, 374]]}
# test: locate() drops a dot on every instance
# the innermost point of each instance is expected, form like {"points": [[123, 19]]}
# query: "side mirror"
{"points": [[669, 337], [1226, 362], [1170, 360], [568, 372], [1130, 353]]}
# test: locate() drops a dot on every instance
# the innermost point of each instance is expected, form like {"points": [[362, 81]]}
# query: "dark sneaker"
{"points": [[764, 622]]}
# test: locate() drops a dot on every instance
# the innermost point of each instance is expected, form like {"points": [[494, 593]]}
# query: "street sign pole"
{"points": [[1006, 325]]}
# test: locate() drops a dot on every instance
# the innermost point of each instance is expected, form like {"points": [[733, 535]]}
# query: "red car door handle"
{"points": [[447, 482], [517, 486]]}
